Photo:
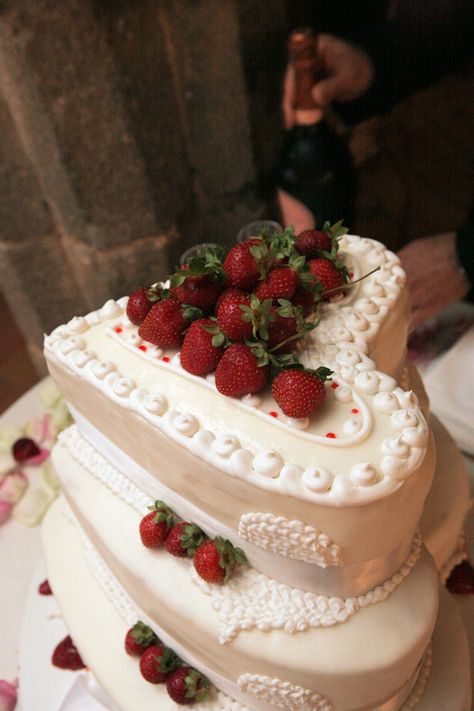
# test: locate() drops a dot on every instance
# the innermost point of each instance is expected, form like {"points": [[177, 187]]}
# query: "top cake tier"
{"points": [[341, 491]]}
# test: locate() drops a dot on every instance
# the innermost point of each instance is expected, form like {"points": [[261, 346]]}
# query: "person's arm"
{"points": [[440, 270]]}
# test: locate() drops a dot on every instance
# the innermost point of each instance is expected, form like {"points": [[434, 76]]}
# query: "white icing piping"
{"points": [[282, 693], [422, 680], [252, 600], [292, 539]]}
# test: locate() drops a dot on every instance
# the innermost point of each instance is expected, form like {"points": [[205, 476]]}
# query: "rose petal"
{"points": [[8, 695], [38, 458], [5, 511], [13, 486]]}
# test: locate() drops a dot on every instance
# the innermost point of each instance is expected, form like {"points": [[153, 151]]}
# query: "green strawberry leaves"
{"points": [[163, 513], [191, 538], [259, 314], [143, 635], [229, 556], [168, 662], [197, 686]]}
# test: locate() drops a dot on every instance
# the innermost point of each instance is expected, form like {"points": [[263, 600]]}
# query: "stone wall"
{"points": [[125, 137]]}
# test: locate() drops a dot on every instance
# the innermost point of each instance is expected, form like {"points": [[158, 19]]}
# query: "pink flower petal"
{"points": [[13, 486], [8, 695], [46, 428], [5, 511], [39, 458]]}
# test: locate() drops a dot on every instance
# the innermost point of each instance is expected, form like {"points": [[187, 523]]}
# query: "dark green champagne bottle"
{"points": [[315, 166]]}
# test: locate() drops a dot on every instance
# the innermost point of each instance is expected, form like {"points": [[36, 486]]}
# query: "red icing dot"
{"points": [[166, 359], [331, 435], [143, 348], [273, 413], [334, 385], [351, 274], [355, 411], [118, 329]]}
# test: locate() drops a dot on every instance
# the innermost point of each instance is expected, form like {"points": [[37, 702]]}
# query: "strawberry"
{"points": [[312, 242], [186, 686], [24, 449], [199, 282], [154, 527], [197, 291], [280, 283], [140, 302], [183, 539], [138, 638], [199, 352], [304, 298], [229, 314], [300, 392], [156, 662], [165, 323], [216, 559], [45, 588], [238, 372], [328, 274], [66, 656], [280, 330], [241, 266]]}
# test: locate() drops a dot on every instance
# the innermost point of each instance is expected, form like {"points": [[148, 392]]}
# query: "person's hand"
{"points": [[348, 74], [434, 277]]}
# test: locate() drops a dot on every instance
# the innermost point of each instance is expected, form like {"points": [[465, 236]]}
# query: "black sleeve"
{"points": [[465, 250], [422, 41]]}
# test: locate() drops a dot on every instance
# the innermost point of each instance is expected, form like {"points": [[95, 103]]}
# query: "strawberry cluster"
{"points": [[241, 316], [160, 664], [214, 559]]}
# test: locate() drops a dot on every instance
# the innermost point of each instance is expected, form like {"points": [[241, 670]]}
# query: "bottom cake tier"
{"points": [[98, 613]]}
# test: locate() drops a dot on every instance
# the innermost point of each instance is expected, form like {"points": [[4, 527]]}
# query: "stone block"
{"points": [[38, 285], [62, 86], [23, 210], [205, 37], [116, 272], [143, 55]]}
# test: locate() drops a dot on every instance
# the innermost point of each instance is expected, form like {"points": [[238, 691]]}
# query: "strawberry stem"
{"points": [[351, 283]]}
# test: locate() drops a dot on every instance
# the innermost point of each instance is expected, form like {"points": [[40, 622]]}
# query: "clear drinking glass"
{"points": [[252, 229], [196, 250]]}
